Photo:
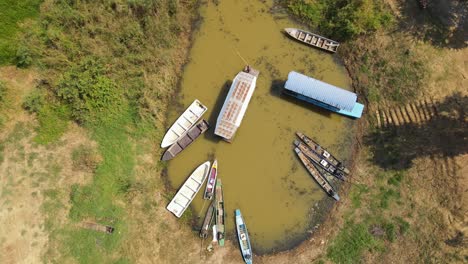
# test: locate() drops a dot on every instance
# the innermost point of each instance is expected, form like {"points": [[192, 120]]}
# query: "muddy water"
{"points": [[259, 170]]}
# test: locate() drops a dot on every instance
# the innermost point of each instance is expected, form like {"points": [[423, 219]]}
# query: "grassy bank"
{"points": [[384, 219], [109, 66], [13, 12]]}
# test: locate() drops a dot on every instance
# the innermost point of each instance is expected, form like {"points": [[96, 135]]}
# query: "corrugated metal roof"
{"points": [[320, 91], [235, 105]]}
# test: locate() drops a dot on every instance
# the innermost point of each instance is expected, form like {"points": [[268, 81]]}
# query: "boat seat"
{"points": [[193, 185]]}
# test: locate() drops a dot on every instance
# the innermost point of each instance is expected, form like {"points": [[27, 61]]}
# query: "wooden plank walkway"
{"points": [[417, 112]]}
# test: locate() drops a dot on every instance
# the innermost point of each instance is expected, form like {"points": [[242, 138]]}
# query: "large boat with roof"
{"points": [[236, 103]]}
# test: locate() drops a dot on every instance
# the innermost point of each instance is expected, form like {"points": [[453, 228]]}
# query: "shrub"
{"points": [[34, 101], [23, 57], [89, 92], [342, 19]]}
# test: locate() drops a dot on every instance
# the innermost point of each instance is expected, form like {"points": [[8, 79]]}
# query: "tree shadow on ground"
{"points": [[445, 134], [443, 23]]}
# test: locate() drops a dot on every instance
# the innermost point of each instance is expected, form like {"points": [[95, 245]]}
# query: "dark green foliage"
{"points": [[350, 244], [89, 92], [12, 12], [34, 101], [342, 19]]}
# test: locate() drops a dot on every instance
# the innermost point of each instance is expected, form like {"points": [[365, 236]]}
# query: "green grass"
{"points": [[97, 200], [349, 245], [11, 13], [53, 122]]}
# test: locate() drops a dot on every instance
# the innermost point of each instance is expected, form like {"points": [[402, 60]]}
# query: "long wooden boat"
{"points": [[326, 186], [220, 229], [183, 142], [236, 103], [211, 182], [189, 189], [191, 115], [323, 152], [313, 39], [317, 159], [243, 236], [206, 227]]}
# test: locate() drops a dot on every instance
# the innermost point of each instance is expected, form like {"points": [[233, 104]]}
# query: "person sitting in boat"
{"points": [[247, 69]]}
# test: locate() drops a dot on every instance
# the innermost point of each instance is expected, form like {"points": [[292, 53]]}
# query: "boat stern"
{"points": [[297, 150], [336, 197], [296, 143]]}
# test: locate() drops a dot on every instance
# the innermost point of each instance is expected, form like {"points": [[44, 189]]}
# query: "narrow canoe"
{"points": [[183, 142], [211, 183], [207, 221], [317, 159], [326, 186], [243, 236], [191, 115], [189, 189], [313, 39], [322, 152], [220, 231]]}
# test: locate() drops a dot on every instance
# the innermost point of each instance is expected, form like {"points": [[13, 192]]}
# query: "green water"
{"points": [[260, 173]]}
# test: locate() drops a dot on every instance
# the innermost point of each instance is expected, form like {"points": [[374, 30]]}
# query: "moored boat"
{"points": [[321, 180], [189, 189], [323, 95], [211, 182], [243, 236], [207, 221], [191, 115], [317, 159], [313, 39], [236, 103], [323, 152], [183, 142], [220, 229]]}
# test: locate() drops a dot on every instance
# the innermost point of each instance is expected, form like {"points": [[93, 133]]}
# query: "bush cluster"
{"points": [[342, 19], [89, 92]]}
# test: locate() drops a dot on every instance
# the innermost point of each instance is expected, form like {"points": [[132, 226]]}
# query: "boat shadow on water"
{"points": [[215, 112], [276, 90]]}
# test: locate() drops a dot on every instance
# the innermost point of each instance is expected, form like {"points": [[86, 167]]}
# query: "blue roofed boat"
{"points": [[323, 94]]}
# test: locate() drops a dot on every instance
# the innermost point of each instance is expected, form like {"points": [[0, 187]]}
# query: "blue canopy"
{"points": [[321, 91]]}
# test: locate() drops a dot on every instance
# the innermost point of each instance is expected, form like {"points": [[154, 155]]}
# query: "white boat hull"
{"points": [[180, 127], [189, 190]]}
